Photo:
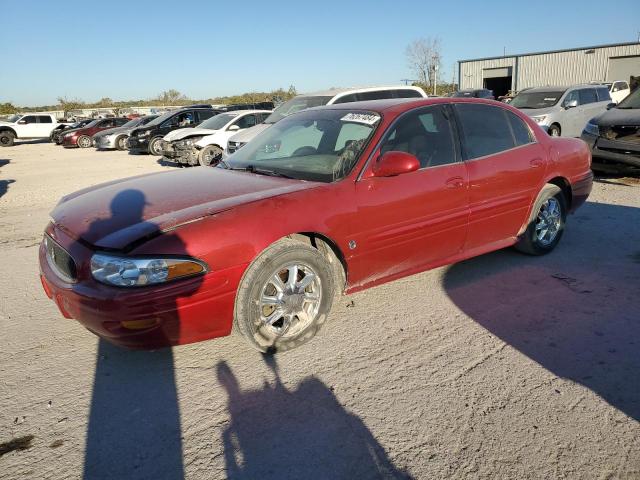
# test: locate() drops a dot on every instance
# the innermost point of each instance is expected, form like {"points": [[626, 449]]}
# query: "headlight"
{"points": [[136, 272], [144, 133], [539, 118], [592, 128]]}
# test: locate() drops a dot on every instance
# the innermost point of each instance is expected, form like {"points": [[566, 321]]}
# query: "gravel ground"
{"points": [[504, 366]]}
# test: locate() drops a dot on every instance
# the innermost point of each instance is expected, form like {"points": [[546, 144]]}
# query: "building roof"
{"points": [[550, 51]]}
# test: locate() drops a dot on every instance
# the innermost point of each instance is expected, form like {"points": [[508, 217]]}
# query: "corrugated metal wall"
{"points": [[559, 68]]}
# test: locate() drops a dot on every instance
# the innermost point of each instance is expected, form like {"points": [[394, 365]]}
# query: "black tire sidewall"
{"points": [[120, 139], [202, 152], [555, 128], [152, 143], [529, 242], [79, 143], [8, 135], [247, 314]]}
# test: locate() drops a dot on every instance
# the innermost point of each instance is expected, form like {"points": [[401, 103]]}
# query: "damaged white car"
{"points": [[204, 144]]}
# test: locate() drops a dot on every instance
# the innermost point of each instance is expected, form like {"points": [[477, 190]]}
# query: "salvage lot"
{"points": [[502, 366]]}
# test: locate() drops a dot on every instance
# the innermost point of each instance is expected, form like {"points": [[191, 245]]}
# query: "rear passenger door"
{"points": [[417, 219], [590, 106], [45, 125], [506, 169]]}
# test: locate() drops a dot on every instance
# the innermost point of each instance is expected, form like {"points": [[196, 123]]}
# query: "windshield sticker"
{"points": [[550, 99], [366, 118]]}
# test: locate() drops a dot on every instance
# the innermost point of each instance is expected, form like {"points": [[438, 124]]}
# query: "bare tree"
{"points": [[424, 56], [168, 97]]}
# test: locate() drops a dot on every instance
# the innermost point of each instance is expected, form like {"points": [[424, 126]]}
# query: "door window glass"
{"points": [[587, 95], [572, 95], [29, 119], [44, 119], [521, 132], [426, 134], [485, 128], [246, 121]]}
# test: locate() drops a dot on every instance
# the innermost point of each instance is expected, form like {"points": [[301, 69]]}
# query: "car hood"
{"points": [[248, 134], [534, 112], [187, 132], [71, 130], [619, 116], [2, 122], [114, 215]]}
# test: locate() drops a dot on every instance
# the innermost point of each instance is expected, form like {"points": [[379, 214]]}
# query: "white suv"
{"points": [[328, 97], [618, 90]]}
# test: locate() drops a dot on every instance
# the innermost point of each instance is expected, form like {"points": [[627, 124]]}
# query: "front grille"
{"points": [[623, 133], [60, 260]]}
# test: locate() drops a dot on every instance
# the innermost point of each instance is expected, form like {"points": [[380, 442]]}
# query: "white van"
{"points": [[327, 97]]}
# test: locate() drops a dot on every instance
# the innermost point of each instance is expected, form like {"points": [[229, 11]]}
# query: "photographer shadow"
{"points": [[278, 433]]}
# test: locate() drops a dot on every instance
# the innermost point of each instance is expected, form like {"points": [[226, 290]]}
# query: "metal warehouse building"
{"points": [[558, 67]]}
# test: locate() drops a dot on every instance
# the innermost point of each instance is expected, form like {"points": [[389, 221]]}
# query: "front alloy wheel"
{"points": [[284, 296], [84, 141]]}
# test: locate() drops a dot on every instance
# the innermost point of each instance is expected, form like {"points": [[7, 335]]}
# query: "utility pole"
{"points": [[435, 79]]}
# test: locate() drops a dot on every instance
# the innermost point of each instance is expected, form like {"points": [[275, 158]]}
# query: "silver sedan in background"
{"points": [[116, 138]]}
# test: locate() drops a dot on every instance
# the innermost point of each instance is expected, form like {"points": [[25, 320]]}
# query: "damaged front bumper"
{"points": [[180, 152]]}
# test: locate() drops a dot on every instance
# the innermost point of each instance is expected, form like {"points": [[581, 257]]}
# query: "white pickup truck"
{"points": [[38, 125]]}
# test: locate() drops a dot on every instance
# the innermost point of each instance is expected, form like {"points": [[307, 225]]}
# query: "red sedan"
{"points": [[81, 137], [329, 200]]}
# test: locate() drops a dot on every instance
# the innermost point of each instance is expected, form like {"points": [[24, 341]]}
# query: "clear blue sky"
{"points": [[135, 49]]}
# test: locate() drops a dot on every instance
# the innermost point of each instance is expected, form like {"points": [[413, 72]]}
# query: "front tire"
{"points": [[84, 141], [554, 130], [7, 139], [546, 224], [284, 297], [155, 146], [210, 156], [121, 142]]}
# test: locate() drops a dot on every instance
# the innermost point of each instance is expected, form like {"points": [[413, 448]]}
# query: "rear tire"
{"points": [[6, 138], [84, 141], [210, 156], [154, 146], [554, 130], [546, 224], [277, 315]]}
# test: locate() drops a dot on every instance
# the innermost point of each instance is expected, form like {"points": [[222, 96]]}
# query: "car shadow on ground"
{"points": [[576, 311], [166, 163], [281, 433], [35, 141]]}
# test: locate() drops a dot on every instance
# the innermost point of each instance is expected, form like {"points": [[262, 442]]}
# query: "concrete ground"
{"points": [[503, 366]]}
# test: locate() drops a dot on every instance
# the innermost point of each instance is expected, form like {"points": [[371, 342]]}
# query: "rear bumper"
{"points": [[580, 190], [607, 152], [176, 313]]}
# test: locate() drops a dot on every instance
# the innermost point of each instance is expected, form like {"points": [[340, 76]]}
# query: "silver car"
{"points": [[563, 111], [116, 138]]}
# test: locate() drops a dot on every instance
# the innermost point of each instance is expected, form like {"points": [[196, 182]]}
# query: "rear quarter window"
{"points": [[521, 132], [486, 130]]}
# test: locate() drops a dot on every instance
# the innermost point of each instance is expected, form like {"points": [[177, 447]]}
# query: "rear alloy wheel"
{"points": [[121, 142], [155, 146], [554, 130], [6, 138], [547, 223], [210, 156], [84, 141], [284, 296]]}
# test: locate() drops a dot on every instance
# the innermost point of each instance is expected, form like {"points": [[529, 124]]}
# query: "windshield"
{"points": [[632, 100], [294, 105], [536, 99], [161, 118], [463, 93], [218, 121], [14, 118], [321, 146]]}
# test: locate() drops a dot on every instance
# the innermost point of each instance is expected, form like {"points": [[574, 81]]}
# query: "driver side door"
{"points": [[410, 222]]}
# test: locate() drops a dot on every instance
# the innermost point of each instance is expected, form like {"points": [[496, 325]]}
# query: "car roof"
{"points": [[397, 105], [332, 92], [235, 113]]}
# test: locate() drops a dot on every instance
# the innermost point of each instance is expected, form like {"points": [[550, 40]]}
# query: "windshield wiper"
{"points": [[253, 169]]}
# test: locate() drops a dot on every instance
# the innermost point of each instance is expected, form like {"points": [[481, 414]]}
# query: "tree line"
{"points": [[170, 97]]}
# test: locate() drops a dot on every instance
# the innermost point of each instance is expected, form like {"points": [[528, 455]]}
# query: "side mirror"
{"points": [[395, 163], [571, 104], [611, 105], [233, 128], [22, 122]]}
